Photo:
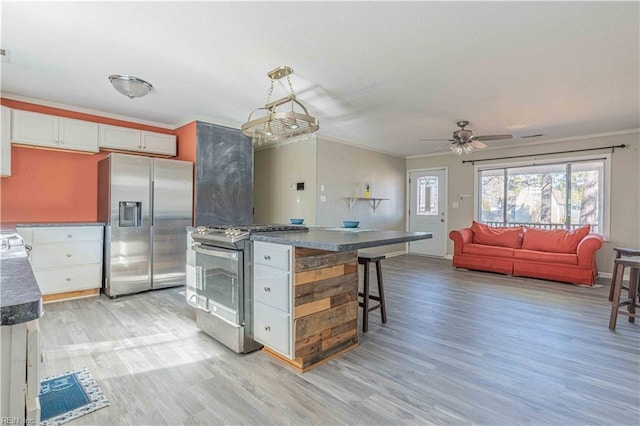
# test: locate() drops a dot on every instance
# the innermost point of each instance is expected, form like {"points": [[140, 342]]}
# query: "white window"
{"points": [[556, 194]]}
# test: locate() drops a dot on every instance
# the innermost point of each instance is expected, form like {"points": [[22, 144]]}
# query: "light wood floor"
{"points": [[460, 347]]}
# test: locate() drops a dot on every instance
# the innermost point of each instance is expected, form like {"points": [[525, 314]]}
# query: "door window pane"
{"points": [[427, 188]]}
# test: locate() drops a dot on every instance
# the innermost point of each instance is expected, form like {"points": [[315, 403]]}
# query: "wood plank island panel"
{"points": [[325, 305]]}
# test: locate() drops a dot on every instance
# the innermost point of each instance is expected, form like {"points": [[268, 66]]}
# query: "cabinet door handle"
{"points": [[267, 289], [267, 257], [68, 254], [267, 328]]}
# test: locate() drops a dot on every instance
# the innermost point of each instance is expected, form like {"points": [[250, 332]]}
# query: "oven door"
{"points": [[219, 282]]}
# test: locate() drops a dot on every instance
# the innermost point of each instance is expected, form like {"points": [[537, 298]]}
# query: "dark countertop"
{"points": [[319, 238], [20, 297]]}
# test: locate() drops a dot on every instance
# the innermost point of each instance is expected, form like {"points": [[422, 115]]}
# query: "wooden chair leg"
{"points": [[613, 277], [617, 289], [365, 311], [383, 306], [633, 291]]}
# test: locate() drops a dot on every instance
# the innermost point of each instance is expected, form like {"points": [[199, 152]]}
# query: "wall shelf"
{"points": [[375, 202]]}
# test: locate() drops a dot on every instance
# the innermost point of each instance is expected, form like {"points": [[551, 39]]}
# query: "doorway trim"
{"points": [[446, 203]]}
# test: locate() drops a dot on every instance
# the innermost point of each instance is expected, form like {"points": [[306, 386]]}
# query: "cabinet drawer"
{"points": [[273, 255], [271, 328], [57, 234], [61, 280], [65, 254], [271, 287]]}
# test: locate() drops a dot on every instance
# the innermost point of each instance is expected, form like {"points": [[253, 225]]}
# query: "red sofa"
{"points": [[559, 255]]}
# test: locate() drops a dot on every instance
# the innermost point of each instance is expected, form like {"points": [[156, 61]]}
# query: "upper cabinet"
{"points": [[31, 128], [125, 139], [5, 148]]}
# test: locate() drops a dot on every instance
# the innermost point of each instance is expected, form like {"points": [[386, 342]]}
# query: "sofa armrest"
{"points": [[587, 250], [460, 237]]}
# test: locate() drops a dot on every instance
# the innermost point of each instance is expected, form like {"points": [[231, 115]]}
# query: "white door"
{"points": [[428, 210]]}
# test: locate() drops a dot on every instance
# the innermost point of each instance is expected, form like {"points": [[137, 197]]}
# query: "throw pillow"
{"points": [[493, 236], [554, 241]]}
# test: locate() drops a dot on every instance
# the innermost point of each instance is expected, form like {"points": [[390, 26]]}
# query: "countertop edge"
{"points": [[329, 246], [57, 224]]}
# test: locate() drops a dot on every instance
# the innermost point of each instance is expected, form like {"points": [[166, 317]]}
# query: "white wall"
{"points": [[625, 185], [341, 170], [275, 170]]}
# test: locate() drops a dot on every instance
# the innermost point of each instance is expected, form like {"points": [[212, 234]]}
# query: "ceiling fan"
{"points": [[464, 141]]}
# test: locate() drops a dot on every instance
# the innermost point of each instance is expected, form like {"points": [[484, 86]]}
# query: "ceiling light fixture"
{"points": [[277, 126], [132, 87]]}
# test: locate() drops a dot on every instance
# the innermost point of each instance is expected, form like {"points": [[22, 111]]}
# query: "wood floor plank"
{"points": [[460, 347]]}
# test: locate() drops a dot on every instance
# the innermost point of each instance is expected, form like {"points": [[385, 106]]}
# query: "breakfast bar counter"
{"points": [[340, 239], [305, 287]]}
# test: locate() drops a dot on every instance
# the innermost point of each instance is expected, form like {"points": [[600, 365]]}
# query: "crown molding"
{"points": [[21, 98]]}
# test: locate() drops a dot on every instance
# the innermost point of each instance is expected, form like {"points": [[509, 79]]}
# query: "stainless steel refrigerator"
{"points": [[146, 205]]}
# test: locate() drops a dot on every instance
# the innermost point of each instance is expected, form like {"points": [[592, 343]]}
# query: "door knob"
{"points": [[441, 220]]}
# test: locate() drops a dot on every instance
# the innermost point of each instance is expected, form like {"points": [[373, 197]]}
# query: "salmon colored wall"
{"points": [[187, 137], [55, 186]]}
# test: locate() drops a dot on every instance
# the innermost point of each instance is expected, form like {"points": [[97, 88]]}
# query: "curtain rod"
{"points": [[612, 148]]}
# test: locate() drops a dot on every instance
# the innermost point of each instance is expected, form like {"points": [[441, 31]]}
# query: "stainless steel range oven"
{"points": [[219, 282]]}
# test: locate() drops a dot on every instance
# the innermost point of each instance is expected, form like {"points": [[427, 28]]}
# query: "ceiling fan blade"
{"points": [[477, 144], [440, 139], [492, 137]]}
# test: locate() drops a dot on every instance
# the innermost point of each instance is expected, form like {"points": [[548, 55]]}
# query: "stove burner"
{"points": [[234, 234], [239, 229]]}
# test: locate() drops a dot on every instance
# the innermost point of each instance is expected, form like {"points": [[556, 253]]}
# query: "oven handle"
{"points": [[217, 253]]}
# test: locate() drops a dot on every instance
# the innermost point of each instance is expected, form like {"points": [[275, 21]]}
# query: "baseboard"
{"points": [[395, 253]]}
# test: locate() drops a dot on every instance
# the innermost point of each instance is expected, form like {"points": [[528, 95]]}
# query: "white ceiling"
{"points": [[377, 74]]}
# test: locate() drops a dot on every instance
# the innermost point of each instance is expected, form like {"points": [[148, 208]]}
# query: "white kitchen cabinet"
{"points": [[20, 362], [5, 148], [159, 143], [31, 128], [66, 261], [272, 289], [125, 139]]}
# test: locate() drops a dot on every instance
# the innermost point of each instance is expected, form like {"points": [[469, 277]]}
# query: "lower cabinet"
{"points": [[20, 363], [305, 303], [66, 261], [272, 283]]}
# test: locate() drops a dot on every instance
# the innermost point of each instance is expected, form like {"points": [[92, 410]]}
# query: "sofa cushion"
{"points": [[541, 256], [494, 236], [554, 241], [484, 250]]}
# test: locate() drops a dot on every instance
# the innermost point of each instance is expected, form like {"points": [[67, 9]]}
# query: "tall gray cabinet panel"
{"points": [[224, 176]]}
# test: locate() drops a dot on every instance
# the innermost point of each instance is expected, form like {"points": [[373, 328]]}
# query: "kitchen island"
{"points": [[306, 291]]}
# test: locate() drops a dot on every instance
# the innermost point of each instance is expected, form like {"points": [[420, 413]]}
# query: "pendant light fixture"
{"points": [[132, 87], [277, 126]]}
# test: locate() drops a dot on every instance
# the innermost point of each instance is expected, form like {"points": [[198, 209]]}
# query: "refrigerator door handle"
{"points": [[152, 213]]}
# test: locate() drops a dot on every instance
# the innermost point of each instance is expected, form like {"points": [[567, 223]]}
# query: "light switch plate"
{"points": [[455, 205], [323, 198]]}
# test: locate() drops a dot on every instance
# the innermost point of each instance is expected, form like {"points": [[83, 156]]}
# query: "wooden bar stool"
{"points": [[366, 259], [620, 252], [633, 263]]}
